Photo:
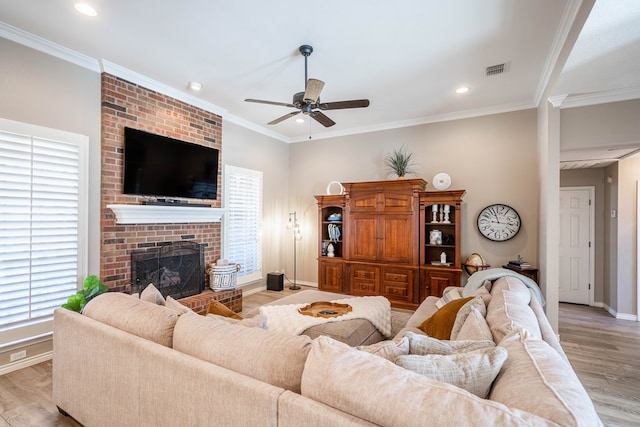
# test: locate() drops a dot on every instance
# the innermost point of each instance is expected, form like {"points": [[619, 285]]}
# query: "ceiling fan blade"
{"points": [[260, 101], [355, 103], [312, 92], [283, 118], [322, 119]]}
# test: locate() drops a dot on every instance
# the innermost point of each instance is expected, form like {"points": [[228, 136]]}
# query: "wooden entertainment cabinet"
{"points": [[383, 246]]}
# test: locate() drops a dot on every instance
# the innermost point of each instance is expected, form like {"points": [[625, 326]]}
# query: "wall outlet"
{"points": [[18, 355]]}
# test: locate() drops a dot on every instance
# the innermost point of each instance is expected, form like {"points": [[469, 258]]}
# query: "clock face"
{"points": [[498, 222]]}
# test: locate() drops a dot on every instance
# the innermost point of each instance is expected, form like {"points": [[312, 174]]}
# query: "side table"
{"points": [[530, 272]]}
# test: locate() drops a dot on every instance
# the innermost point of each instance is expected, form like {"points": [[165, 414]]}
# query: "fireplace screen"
{"points": [[176, 269]]}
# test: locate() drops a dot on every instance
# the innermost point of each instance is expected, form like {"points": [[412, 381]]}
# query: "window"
{"points": [[242, 221], [42, 226]]}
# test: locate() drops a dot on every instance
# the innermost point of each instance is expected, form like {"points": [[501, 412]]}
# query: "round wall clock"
{"points": [[498, 222]]}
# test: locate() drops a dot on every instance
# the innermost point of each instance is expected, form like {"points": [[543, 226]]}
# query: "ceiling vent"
{"points": [[497, 69]]}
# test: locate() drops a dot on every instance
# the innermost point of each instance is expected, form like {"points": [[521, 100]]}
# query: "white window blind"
{"points": [[242, 221], [41, 226]]}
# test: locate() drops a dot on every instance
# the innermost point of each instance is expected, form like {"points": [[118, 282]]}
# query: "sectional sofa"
{"points": [[128, 362]]}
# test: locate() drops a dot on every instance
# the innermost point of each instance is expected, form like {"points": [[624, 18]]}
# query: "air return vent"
{"points": [[497, 69]]}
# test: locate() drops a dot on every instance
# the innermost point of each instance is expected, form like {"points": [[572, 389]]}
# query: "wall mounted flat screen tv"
{"points": [[159, 166]]}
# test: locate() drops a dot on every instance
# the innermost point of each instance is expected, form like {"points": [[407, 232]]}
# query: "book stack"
{"points": [[519, 263]]}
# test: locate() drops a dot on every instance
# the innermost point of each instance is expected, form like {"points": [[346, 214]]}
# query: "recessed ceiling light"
{"points": [[85, 9], [300, 120], [462, 89], [195, 85]]}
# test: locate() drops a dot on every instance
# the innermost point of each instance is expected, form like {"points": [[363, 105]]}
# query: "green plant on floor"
{"points": [[93, 287], [400, 162]]}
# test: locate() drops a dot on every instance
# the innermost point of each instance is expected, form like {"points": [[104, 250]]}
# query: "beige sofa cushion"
{"points": [[535, 378], [144, 319], [509, 309], [476, 303], [473, 370], [382, 393], [274, 358], [152, 294]]}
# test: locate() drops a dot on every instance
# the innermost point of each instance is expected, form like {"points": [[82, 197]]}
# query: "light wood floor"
{"points": [[605, 353]]}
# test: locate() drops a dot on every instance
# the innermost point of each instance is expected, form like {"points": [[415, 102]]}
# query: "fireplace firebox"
{"points": [[175, 268]]}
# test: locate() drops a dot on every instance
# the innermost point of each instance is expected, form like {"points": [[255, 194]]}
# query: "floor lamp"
{"points": [[292, 224]]}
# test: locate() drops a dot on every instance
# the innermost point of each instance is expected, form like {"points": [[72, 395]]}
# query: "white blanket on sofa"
{"points": [[286, 318], [477, 279]]}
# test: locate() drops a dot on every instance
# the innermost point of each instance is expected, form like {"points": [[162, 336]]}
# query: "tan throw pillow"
{"points": [[475, 327], [473, 371], [477, 303], [422, 344], [220, 309], [152, 294], [177, 306], [439, 325], [388, 349]]}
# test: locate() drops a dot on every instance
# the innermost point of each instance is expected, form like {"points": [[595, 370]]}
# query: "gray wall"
{"points": [[493, 158], [40, 89]]}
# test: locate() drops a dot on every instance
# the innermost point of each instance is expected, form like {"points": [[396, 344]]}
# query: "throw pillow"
{"points": [[220, 309], [422, 344], [177, 306], [448, 296], [475, 327], [388, 349], [473, 371], [152, 294], [439, 325], [464, 311]]}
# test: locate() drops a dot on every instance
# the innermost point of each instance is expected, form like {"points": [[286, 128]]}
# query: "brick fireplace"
{"points": [[125, 104]]}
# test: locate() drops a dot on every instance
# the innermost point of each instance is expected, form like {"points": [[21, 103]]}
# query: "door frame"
{"points": [[592, 234]]}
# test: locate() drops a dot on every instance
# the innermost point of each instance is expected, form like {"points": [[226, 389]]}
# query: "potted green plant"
{"points": [[400, 162], [93, 287]]}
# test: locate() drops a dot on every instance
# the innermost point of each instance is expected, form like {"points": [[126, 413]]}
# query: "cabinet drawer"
{"points": [[366, 273], [364, 287], [389, 276], [396, 291]]}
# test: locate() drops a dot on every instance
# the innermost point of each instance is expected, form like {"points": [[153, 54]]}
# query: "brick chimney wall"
{"points": [[126, 104]]}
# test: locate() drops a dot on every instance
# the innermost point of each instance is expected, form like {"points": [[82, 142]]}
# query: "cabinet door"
{"points": [[363, 237], [331, 274], [367, 202], [365, 280], [433, 282], [397, 239]]}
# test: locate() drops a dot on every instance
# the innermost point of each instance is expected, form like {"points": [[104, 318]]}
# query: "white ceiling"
{"points": [[406, 57]]}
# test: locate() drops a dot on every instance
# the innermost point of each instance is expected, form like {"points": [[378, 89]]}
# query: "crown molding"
{"points": [[38, 43], [567, 20], [148, 83], [458, 115], [587, 99]]}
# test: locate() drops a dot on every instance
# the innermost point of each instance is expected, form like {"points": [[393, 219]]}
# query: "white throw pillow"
{"points": [[388, 349], [424, 344], [477, 303], [177, 306], [473, 371], [475, 327]]}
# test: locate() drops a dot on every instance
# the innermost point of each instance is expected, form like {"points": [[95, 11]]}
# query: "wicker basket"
{"points": [[223, 277]]}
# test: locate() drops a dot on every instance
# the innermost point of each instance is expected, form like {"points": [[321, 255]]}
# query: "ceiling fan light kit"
{"points": [[308, 102]]}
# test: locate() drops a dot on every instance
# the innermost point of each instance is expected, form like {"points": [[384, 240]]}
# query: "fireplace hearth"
{"points": [[175, 268]]}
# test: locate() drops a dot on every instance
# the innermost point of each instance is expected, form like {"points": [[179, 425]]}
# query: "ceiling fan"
{"points": [[308, 102]]}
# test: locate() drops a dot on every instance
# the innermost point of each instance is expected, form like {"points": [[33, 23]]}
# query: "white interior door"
{"points": [[576, 247]]}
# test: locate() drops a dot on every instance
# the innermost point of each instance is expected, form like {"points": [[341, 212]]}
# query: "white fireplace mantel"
{"points": [[161, 214]]}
